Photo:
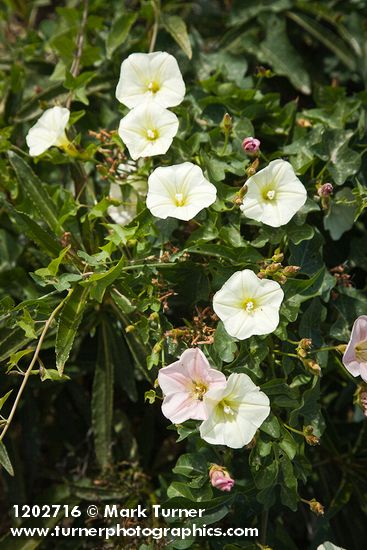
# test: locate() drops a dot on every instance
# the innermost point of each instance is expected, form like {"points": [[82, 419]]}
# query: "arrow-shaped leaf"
{"points": [[69, 321]]}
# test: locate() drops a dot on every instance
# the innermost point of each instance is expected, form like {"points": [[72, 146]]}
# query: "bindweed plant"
{"points": [[183, 317]]}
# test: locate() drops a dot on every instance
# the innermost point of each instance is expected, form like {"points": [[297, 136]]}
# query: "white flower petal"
{"points": [[329, 546], [148, 130], [247, 406], [179, 191], [289, 194], [48, 131], [248, 305], [150, 77]]}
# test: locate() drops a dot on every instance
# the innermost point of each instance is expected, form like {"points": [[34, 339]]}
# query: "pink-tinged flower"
{"points": [[220, 478], [355, 356], [251, 145], [185, 383], [325, 190]]}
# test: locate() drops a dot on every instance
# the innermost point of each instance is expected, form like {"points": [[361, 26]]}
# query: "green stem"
{"points": [[264, 157], [141, 266], [327, 348], [286, 354], [293, 429], [156, 8], [225, 145], [264, 526], [31, 365], [75, 66]]}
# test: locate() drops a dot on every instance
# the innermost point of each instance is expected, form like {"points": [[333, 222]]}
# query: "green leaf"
{"points": [[34, 231], [307, 255], [52, 374], [326, 37], [53, 267], [288, 444], [299, 233], [4, 398], [100, 281], [224, 344], [28, 325], [16, 357], [280, 54], [288, 490], [11, 340], [340, 217], [102, 399], [184, 430], [5, 460], [267, 475], [176, 27], [122, 302], [119, 32], [271, 426], [190, 465], [181, 489], [69, 321], [36, 192]]}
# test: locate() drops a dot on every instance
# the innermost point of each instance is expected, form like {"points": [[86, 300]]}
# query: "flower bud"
{"points": [[153, 317], [282, 279], [310, 437], [251, 145], [272, 268], [312, 366], [227, 123], [291, 269], [251, 170], [262, 72], [303, 346], [316, 507], [363, 402], [304, 123], [220, 478], [278, 257], [360, 397], [65, 239], [129, 328], [325, 190], [241, 193], [305, 343]]}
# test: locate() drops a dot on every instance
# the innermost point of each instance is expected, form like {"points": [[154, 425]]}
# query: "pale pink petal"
{"points": [[173, 378], [178, 407]]}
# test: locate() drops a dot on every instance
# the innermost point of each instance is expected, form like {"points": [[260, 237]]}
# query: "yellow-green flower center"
{"points": [[269, 192], [249, 305], [199, 389], [361, 351], [153, 87], [180, 199], [152, 134], [228, 409], [66, 145]]}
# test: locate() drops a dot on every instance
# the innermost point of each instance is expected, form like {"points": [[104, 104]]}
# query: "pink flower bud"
{"points": [[220, 478], [251, 145], [325, 190]]}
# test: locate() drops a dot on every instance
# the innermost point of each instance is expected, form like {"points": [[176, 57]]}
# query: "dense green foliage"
{"points": [[123, 300]]}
